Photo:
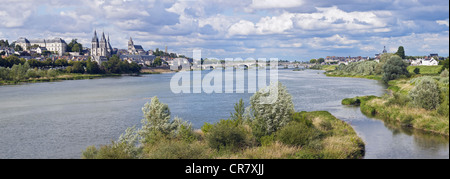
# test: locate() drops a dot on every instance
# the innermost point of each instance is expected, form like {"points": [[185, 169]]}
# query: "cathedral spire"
{"points": [[95, 39]]}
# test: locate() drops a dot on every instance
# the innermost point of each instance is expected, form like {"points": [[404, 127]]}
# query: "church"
{"points": [[101, 50], [135, 49]]}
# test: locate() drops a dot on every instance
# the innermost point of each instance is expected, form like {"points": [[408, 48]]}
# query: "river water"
{"points": [[60, 119]]}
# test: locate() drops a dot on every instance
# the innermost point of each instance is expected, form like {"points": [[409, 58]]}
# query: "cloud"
{"points": [[270, 4], [443, 22], [334, 19], [289, 28], [243, 27]]}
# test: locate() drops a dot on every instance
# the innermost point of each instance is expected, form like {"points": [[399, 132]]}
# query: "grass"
{"points": [[338, 141], [427, 70], [406, 115], [371, 77], [328, 67], [64, 76]]}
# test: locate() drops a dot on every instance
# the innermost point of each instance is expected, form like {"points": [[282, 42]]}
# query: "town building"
{"points": [[56, 45], [135, 49], [101, 49], [144, 60]]}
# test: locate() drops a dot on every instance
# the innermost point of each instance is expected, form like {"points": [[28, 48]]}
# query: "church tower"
{"points": [[101, 49], [130, 46], [95, 45]]}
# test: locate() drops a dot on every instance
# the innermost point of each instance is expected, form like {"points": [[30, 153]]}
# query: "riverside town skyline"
{"points": [[289, 30]]}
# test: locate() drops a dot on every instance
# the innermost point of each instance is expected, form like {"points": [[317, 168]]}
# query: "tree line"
{"points": [[13, 68]]}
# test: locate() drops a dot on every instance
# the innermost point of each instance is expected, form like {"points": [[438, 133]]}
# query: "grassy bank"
{"points": [[65, 76], [156, 71], [264, 131], [398, 110], [418, 100], [333, 139], [406, 115]]}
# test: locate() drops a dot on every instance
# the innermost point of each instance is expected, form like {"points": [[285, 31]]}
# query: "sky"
{"points": [[284, 29]]}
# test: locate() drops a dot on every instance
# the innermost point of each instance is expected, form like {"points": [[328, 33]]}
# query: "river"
{"points": [[60, 119]]}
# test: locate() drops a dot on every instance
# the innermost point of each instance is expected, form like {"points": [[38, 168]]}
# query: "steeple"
{"points": [[130, 42], [95, 39], [384, 51]]}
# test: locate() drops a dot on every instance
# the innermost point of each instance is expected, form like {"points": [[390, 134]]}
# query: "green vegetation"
{"points": [[421, 103], [14, 70], [426, 70], [401, 52], [294, 135], [394, 68]]}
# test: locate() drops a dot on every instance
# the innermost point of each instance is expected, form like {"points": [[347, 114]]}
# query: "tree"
{"points": [[157, 62], [313, 61], [320, 60], [112, 65], [93, 68], [61, 63], [157, 121], [394, 68], [18, 48], [268, 118], [417, 70], [426, 94], [401, 52], [239, 110], [77, 67], [74, 46]]}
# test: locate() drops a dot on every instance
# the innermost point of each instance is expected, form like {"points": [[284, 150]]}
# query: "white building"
{"points": [[430, 62], [56, 45]]}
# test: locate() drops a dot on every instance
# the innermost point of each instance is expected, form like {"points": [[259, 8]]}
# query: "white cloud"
{"points": [[334, 19], [265, 26], [218, 22], [243, 27], [443, 22], [275, 25], [269, 4], [292, 45]]}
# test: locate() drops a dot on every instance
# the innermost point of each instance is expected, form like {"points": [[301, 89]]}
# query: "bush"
{"points": [[398, 99], [173, 149], [271, 114], [444, 74], [426, 94], [227, 135], [417, 70], [114, 151], [298, 134], [394, 68]]}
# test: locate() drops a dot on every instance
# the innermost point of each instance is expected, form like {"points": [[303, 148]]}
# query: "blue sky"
{"points": [[288, 29]]}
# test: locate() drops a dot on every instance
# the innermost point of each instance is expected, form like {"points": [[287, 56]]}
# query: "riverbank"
{"points": [[156, 71], [61, 77], [400, 109], [334, 139], [78, 76], [273, 131]]}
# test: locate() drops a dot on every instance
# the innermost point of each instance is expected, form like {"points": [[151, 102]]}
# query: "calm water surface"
{"points": [[60, 119]]}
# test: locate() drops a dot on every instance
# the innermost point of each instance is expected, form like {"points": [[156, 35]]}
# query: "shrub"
{"points": [[157, 121], [173, 149], [426, 94], [398, 99], [298, 134], [227, 135], [271, 115], [114, 151], [394, 68], [417, 70], [444, 74]]}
